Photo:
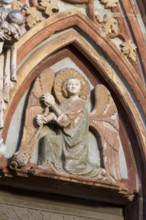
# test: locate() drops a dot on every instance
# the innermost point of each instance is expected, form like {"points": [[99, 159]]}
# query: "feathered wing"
{"points": [[43, 84], [104, 120]]}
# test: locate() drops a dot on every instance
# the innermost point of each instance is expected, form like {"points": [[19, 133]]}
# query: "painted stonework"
{"points": [[11, 22], [111, 23], [91, 147], [68, 138], [10, 31]]}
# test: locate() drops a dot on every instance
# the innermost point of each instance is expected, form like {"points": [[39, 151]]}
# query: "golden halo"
{"points": [[60, 84]]}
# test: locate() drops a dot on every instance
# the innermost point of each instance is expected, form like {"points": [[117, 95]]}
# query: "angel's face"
{"points": [[73, 86]]}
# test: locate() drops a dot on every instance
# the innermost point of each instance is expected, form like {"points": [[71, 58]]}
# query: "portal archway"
{"points": [[78, 36]]}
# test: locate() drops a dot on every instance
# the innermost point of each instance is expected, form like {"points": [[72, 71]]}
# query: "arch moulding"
{"points": [[74, 29]]}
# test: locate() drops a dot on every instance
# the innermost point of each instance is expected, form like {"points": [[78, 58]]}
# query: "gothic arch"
{"points": [[45, 40], [36, 50]]}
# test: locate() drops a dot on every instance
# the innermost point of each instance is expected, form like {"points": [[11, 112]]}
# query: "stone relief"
{"points": [[10, 32], [39, 11], [109, 3], [57, 119], [11, 22], [35, 11], [110, 25], [22, 212], [129, 49], [113, 25]]}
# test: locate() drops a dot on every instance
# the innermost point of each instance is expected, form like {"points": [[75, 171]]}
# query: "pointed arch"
{"points": [[37, 44], [72, 28]]}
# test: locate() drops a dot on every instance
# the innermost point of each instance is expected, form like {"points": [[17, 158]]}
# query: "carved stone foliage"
{"points": [[113, 25], [59, 126], [37, 11], [33, 16], [109, 3], [110, 25], [129, 50]]}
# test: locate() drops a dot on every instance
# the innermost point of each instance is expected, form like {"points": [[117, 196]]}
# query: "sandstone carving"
{"points": [[129, 49], [36, 11], [61, 130], [40, 10], [110, 25], [33, 16], [10, 31], [109, 3], [10, 23]]}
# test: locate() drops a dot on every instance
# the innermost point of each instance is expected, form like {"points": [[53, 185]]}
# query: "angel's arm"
{"points": [[57, 109], [49, 100], [42, 120], [63, 119]]}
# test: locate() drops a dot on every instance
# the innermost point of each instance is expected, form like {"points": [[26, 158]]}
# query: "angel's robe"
{"points": [[67, 147]]}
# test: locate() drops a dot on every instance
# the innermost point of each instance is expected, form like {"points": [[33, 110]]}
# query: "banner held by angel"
{"points": [[57, 120]]}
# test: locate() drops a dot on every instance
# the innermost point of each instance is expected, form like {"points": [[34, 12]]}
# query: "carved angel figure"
{"points": [[62, 132]]}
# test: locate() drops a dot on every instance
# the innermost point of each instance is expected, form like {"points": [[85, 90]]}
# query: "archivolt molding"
{"points": [[114, 26], [71, 36], [38, 44], [74, 18]]}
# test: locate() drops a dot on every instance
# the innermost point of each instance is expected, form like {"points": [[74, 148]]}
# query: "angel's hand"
{"points": [[48, 99], [41, 120]]}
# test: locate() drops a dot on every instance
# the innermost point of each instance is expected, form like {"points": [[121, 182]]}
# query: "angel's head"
{"points": [[73, 86], [71, 83]]}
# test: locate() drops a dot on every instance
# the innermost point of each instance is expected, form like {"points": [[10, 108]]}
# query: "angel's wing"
{"points": [[43, 84], [104, 120]]}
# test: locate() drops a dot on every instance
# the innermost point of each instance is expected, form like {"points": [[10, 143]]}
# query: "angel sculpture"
{"points": [[62, 132]]}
